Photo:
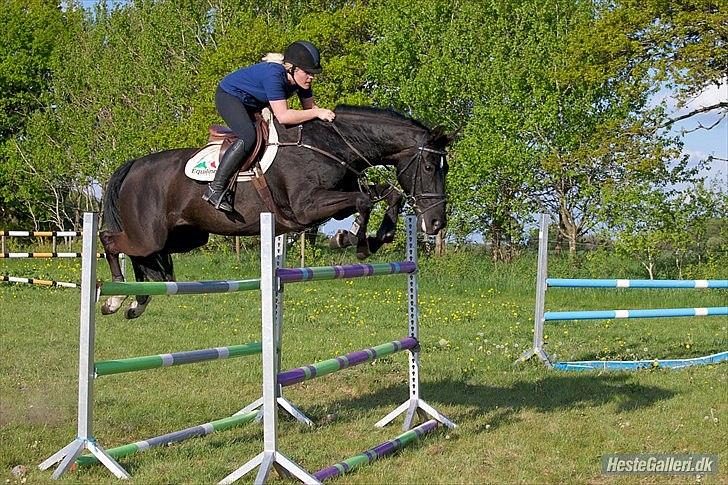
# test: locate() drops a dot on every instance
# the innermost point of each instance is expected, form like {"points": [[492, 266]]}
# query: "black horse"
{"points": [[151, 209]]}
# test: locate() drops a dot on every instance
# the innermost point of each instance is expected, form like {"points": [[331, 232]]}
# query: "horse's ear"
{"points": [[440, 137]]}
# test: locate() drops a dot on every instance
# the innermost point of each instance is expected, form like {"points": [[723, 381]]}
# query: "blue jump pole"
{"points": [[640, 364], [651, 313], [607, 283]]}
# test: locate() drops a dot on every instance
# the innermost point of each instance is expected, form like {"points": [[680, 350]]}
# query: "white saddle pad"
{"points": [[203, 165]]}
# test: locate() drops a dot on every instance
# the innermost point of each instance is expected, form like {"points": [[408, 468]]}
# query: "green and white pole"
{"points": [[174, 437]]}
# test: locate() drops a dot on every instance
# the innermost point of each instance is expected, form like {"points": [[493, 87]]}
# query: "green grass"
{"points": [[516, 424]]}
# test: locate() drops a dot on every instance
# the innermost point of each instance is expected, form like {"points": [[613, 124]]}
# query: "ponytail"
{"points": [[273, 57]]}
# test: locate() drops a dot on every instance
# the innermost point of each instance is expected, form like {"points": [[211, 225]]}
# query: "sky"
{"points": [[700, 144]]}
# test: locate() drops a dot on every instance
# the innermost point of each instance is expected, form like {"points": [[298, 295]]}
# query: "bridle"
{"points": [[413, 198]]}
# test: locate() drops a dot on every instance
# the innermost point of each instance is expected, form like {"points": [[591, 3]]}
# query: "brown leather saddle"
{"points": [[228, 137], [251, 164]]}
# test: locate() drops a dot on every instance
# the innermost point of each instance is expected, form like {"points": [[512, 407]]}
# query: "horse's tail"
{"points": [[112, 218]]}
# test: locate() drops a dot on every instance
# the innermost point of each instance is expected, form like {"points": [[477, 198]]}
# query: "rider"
{"points": [[248, 90]]}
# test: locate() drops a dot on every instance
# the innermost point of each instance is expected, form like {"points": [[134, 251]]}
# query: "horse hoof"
{"points": [[136, 309], [337, 240], [363, 254], [112, 305]]}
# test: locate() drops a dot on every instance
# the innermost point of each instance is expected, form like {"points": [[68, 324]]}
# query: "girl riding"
{"points": [[250, 89]]}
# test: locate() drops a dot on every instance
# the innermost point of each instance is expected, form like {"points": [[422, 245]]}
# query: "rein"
{"points": [[413, 198]]}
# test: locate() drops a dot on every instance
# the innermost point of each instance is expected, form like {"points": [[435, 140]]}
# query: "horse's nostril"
{"points": [[436, 224]]}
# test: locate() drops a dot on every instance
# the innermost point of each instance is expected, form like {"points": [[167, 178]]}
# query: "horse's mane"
{"points": [[379, 113]]}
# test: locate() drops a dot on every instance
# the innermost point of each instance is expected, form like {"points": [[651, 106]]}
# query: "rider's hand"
{"points": [[325, 114]]}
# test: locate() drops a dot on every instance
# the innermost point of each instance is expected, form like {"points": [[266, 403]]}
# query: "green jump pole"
{"points": [[106, 367], [174, 437], [177, 287]]}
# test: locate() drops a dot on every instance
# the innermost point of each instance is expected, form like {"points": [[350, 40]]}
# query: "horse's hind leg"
{"points": [[155, 267], [113, 303]]}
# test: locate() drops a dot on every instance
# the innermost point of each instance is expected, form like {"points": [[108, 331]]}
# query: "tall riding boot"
{"points": [[217, 193]]}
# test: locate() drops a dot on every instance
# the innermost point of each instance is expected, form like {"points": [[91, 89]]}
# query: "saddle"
{"points": [[201, 167], [219, 133]]}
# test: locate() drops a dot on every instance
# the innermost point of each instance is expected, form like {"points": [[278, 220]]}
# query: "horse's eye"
{"points": [[429, 167]]}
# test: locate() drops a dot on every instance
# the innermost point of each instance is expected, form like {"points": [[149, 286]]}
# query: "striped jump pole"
{"points": [[4, 233], [541, 316], [641, 364], [174, 437], [651, 313], [292, 275], [607, 283], [372, 454], [52, 234], [271, 283], [45, 255], [177, 287], [118, 366], [38, 282], [319, 369]]}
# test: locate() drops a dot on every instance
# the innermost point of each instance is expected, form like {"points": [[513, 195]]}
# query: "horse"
{"points": [[151, 209]]}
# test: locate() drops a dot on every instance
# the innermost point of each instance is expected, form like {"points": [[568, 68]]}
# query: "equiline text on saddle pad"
{"points": [[203, 165]]}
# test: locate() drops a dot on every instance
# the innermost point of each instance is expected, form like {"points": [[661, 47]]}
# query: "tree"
{"points": [[682, 45], [31, 31], [665, 224]]}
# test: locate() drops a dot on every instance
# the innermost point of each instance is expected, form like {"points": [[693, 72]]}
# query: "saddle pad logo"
{"points": [[205, 167], [204, 164]]}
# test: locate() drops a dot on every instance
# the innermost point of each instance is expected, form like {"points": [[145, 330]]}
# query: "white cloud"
{"points": [[715, 172], [711, 95]]}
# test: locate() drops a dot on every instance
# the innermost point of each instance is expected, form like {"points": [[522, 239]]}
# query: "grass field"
{"points": [[516, 424]]}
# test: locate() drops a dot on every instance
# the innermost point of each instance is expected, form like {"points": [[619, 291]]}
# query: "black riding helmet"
{"points": [[304, 55]]}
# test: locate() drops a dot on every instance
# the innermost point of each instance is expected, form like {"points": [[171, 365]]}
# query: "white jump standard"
{"points": [[271, 283], [89, 369]]}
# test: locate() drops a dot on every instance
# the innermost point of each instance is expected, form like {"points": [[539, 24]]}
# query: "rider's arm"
{"points": [[289, 116]]}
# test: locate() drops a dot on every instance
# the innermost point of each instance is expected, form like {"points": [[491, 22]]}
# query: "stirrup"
{"points": [[220, 200]]}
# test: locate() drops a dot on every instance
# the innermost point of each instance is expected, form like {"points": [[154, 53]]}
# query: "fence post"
{"points": [[542, 273]]}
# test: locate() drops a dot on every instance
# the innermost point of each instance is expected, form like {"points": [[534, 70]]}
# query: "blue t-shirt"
{"points": [[260, 83]]}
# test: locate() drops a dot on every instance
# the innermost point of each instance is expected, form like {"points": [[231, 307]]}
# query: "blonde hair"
{"points": [[276, 57]]}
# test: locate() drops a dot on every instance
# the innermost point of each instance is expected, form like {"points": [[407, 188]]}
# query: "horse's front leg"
{"points": [[330, 203], [388, 227]]}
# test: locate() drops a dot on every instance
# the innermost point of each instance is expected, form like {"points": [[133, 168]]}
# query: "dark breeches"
{"points": [[236, 115]]}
